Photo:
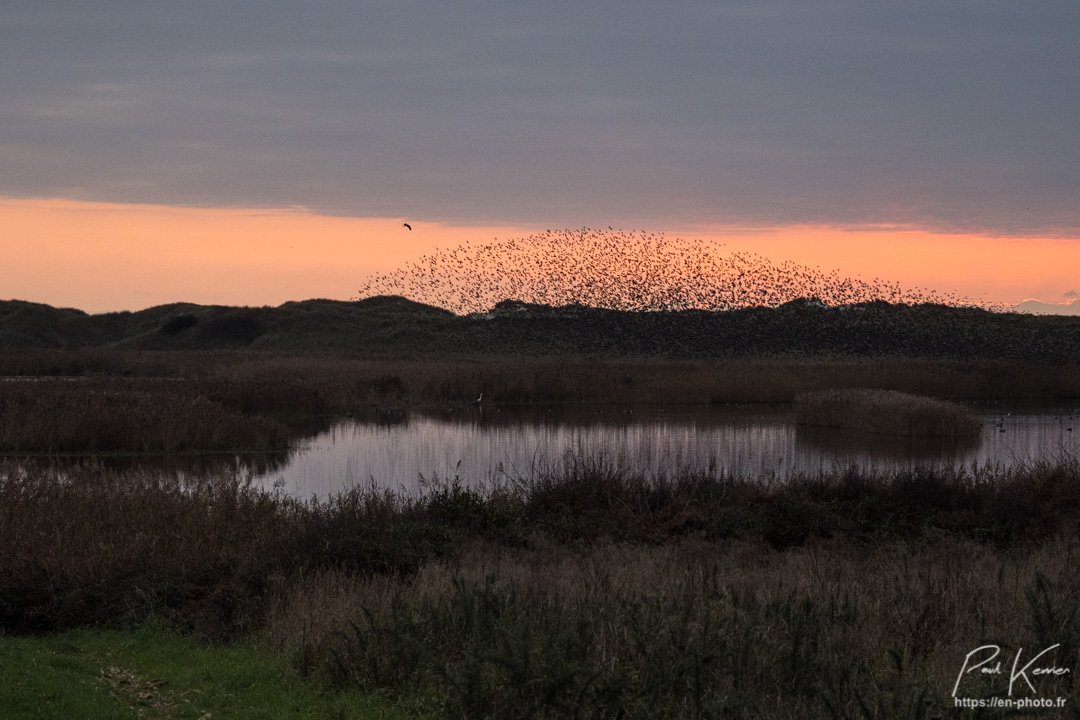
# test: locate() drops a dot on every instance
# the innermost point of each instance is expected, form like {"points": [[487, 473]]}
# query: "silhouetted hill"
{"points": [[26, 324], [388, 325]]}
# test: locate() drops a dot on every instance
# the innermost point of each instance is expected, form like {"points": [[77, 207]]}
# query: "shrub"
{"points": [[178, 324]]}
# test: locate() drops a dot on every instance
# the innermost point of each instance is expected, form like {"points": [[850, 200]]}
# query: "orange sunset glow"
{"points": [[107, 256]]}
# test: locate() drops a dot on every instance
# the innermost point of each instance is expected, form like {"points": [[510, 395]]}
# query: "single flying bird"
{"points": [[407, 225]]}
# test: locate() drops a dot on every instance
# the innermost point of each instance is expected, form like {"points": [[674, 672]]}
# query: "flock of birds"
{"points": [[619, 270]]}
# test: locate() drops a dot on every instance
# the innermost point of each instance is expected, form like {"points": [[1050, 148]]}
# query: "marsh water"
{"points": [[408, 450]]}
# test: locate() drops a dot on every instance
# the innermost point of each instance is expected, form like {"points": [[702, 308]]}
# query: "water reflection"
{"points": [[846, 443], [401, 450]]}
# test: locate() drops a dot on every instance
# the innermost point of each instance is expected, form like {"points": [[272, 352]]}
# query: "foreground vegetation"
{"points": [[589, 590]]}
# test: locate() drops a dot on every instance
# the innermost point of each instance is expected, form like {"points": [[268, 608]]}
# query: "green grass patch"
{"points": [[152, 673]]}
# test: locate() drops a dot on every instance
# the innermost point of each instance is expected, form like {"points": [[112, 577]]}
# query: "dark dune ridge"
{"points": [[394, 326]]}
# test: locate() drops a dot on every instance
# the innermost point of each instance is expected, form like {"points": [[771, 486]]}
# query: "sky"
{"points": [[254, 152]]}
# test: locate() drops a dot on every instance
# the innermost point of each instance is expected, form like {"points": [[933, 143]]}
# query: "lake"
{"points": [[403, 450]]}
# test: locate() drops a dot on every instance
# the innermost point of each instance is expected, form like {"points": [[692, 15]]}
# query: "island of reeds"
{"points": [[885, 412]]}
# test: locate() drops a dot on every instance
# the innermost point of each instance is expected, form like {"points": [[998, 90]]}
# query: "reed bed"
{"points": [[120, 415], [694, 629], [588, 591], [193, 403], [329, 383], [885, 412], [53, 515]]}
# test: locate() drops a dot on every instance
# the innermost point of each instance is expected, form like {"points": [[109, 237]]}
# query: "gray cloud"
{"points": [[1071, 294], [767, 111]]}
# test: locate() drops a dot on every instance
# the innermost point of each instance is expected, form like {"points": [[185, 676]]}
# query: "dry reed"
{"points": [[122, 415], [236, 401], [695, 629], [589, 591], [885, 412]]}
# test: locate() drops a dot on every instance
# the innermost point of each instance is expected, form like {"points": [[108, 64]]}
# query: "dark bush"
{"points": [[176, 325], [240, 327]]}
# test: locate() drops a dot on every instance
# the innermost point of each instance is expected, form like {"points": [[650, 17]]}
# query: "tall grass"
{"points": [[687, 630], [885, 412], [95, 416], [229, 401], [85, 543], [590, 590], [342, 382]]}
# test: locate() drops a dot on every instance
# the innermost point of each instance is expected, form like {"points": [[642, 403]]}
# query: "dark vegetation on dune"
{"points": [[312, 325], [393, 326]]}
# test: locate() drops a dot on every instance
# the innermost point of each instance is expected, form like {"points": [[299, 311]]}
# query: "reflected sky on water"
{"points": [[401, 450]]}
